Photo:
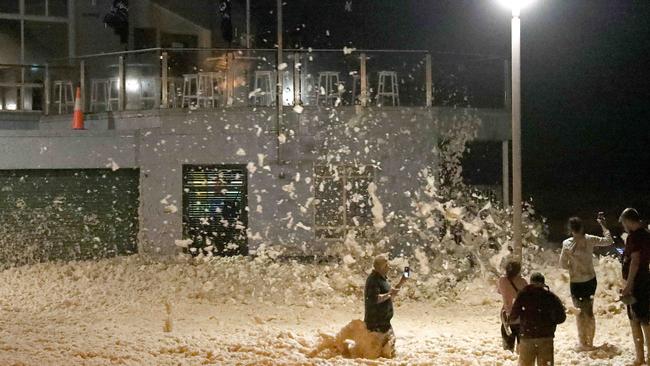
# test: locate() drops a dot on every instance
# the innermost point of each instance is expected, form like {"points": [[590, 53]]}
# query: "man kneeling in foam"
{"points": [[378, 297], [373, 337]]}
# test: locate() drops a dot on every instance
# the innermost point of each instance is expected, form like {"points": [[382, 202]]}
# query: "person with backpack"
{"points": [[538, 311], [578, 257], [508, 287]]}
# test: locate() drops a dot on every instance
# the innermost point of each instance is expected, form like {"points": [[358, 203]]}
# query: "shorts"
{"points": [[582, 293], [640, 310]]}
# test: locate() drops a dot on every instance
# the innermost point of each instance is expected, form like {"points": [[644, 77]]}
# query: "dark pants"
{"points": [[509, 340], [388, 343], [536, 349], [379, 328]]}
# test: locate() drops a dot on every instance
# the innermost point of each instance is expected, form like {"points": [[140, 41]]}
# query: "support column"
{"points": [[82, 84], [164, 85], [429, 81], [121, 99], [363, 80], [279, 87], [507, 87], [46, 90], [296, 79], [505, 164]]}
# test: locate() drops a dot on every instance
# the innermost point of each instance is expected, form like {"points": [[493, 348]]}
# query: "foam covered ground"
{"points": [[132, 311]]}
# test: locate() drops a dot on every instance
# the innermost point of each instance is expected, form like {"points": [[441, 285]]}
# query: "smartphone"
{"points": [[620, 250], [407, 272]]}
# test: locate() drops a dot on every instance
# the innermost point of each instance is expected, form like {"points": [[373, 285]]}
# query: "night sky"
{"points": [[585, 75]]}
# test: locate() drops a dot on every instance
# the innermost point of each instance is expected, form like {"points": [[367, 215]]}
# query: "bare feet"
{"points": [[585, 348]]}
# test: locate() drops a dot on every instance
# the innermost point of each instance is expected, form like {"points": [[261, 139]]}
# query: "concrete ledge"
{"points": [[23, 120]]}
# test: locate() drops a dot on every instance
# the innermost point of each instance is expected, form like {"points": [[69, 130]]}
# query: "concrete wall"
{"points": [[398, 141]]}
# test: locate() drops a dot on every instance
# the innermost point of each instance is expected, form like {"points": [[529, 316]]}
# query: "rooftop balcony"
{"points": [[217, 78]]}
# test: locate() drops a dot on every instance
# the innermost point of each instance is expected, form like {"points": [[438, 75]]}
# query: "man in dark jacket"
{"points": [[539, 312], [378, 300]]}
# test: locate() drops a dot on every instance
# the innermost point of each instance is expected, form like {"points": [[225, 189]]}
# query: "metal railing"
{"points": [[218, 78]]}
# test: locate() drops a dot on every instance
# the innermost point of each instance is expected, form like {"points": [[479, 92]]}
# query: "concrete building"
{"points": [[167, 163]]}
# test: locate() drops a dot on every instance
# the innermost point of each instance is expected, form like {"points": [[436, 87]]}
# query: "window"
{"points": [[35, 7], [9, 6], [55, 8], [342, 202], [10, 41], [58, 8], [43, 37], [45, 41], [215, 216]]}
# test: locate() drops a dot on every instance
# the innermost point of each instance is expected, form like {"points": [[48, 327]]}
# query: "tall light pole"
{"points": [[516, 6], [248, 23]]}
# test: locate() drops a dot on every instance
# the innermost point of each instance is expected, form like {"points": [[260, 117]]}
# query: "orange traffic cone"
{"points": [[78, 117]]}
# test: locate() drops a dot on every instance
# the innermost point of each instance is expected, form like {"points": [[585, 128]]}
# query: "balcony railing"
{"points": [[221, 78]]}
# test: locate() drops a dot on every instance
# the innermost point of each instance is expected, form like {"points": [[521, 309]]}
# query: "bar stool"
{"points": [[384, 78], [149, 92], [98, 94], [113, 94], [264, 83], [64, 95], [208, 88], [174, 91], [328, 83], [190, 93]]}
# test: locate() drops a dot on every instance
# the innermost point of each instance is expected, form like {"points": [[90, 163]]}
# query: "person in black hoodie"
{"points": [[539, 311]]}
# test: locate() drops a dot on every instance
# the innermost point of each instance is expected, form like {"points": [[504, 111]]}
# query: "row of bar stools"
{"points": [[328, 86], [387, 78], [63, 95], [264, 88]]}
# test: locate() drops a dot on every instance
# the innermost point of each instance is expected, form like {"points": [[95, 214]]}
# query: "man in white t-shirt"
{"points": [[577, 256]]}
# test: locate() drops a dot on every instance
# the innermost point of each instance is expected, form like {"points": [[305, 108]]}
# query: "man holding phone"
{"points": [[378, 298]]}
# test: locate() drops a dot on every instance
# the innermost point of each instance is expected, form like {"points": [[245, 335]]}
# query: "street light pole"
{"points": [[516, 135], [248, 23]]}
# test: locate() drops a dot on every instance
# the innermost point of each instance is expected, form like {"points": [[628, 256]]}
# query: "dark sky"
{"points": [[585, 74]]}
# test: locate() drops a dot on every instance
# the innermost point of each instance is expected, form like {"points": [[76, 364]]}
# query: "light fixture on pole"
{"points": [[516, 6]]}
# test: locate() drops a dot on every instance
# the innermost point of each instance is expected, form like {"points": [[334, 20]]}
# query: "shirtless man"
{"points": [[577, 256]]}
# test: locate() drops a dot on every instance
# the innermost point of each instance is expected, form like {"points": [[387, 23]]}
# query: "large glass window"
{"points": [[9, 41], [45, 41], [9, 6], [58, 8], [35, 7]]}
